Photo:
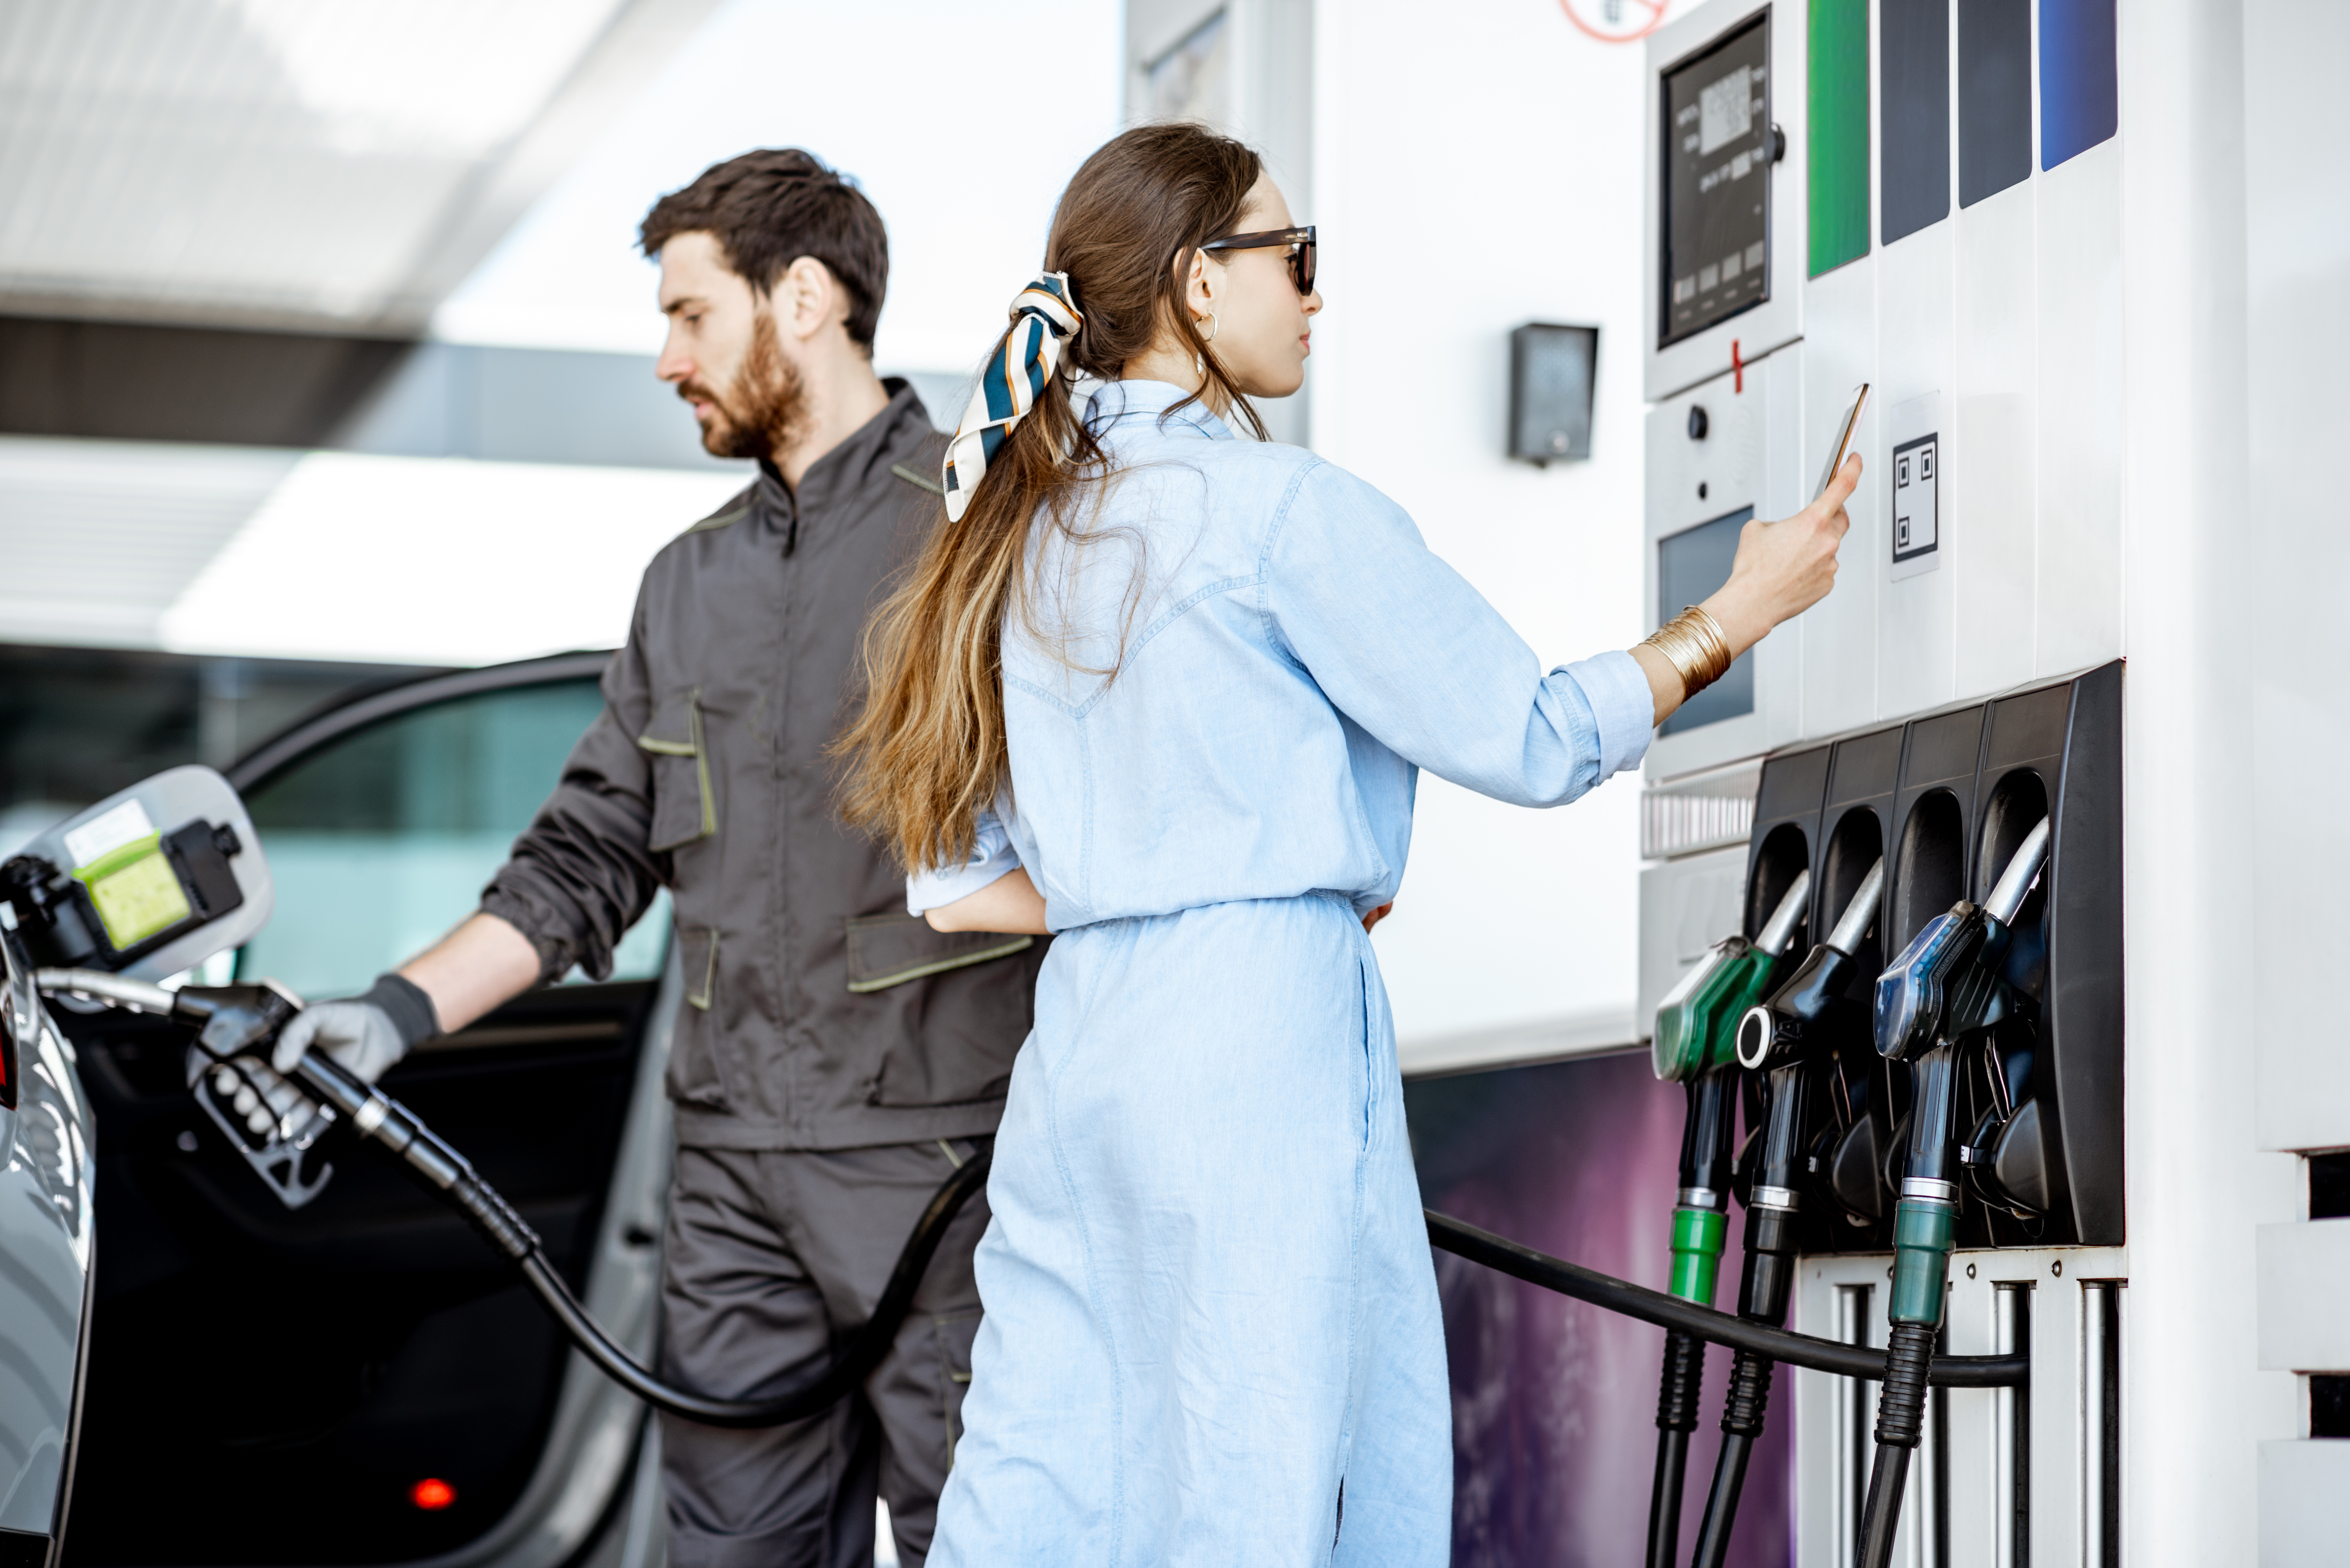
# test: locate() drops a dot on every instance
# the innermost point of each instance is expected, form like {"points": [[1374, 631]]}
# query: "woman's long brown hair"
{"points": [[927, 754]]}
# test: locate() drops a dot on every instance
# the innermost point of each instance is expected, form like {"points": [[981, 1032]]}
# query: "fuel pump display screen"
{"points": [[1716, 183]]}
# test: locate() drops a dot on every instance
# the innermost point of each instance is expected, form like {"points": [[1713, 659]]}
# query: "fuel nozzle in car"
{"points": [[1944, 988], [1693, 1046], [1785, 1038], [267, 1119]]}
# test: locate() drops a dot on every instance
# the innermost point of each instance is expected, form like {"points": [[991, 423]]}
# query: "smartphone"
{"points": [[1849, 427]]}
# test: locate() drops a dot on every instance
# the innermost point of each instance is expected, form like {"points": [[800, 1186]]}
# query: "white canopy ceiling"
{"points": [[294, 163], [327, 555]]}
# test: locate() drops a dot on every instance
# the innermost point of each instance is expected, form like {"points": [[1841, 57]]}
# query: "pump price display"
{"points": [[1717, 183]]}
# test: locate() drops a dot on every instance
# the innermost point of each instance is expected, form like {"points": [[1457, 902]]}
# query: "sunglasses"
{"points": [[1300, 259]]}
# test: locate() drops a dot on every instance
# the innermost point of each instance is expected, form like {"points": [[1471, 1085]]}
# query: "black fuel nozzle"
{"points": [[1780, 1037], [1777, 1032], [237, 1018], [1945, 987]]}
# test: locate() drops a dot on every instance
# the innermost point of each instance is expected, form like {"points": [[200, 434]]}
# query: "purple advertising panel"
{"points": [[1554, 1401]]}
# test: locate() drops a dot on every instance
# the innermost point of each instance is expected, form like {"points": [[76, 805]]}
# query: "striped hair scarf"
{"points": [[1044, 317]]}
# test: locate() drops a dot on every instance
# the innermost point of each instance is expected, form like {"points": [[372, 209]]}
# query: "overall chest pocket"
{"points": [[684, 808]]}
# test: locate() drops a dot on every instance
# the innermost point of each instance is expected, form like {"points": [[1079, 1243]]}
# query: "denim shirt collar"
{"points": [[1123, 402]]}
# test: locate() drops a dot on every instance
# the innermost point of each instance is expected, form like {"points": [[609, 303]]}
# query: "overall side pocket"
{"points": [[695, 1077], [950, 1038], [684, 807]]}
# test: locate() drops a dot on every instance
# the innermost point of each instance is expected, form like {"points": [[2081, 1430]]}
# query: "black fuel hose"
{"points": [[373, 1114], [1621, 1296], [865, 1347], [377, 1115]]}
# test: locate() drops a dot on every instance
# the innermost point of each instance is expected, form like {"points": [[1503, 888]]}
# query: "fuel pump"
{"points": [[1695, 1025], [1786, 1039], [1944, 988]]}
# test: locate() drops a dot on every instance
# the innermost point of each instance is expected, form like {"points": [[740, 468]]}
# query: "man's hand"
{"points": [[364, 1035], [269, 1105]]}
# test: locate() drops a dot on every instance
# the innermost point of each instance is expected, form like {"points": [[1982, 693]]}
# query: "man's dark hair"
{"points": [[769, 208]]}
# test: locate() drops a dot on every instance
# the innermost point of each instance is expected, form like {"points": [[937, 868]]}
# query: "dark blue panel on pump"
{"points": [[1913, 117], [1691, 565], [1994, 97], [2080, 89]]}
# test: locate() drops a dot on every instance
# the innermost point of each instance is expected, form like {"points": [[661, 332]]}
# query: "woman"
{"points": [[1165, 692]]}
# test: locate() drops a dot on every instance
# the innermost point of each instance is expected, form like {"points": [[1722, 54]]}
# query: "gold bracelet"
{"points": [[1694, 645]]}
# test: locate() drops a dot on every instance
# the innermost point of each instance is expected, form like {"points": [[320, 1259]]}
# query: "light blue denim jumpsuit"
{"points": [[1209, 1302]]}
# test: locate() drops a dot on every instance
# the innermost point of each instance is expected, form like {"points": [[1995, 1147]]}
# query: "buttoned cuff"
{"points": [[1622, 707], [992, 857]]}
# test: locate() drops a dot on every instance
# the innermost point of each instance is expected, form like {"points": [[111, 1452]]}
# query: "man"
{"points": [[835, 1058]]}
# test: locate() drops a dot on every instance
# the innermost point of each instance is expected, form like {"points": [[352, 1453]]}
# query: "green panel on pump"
{"points": [[1837, 149]]}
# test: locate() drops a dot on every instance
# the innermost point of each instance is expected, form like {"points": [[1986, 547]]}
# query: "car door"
{"points": [[361, 1380]]}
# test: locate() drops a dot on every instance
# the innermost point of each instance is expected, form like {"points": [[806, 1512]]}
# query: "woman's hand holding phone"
{"points": [[1784, 568]]}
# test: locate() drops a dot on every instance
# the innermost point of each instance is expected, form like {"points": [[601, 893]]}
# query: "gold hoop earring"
{"points": [[1212, 326], [1200, 361]]}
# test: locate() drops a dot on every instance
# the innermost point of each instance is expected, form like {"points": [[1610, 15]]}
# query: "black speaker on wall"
{"points": [[1551, 370]]}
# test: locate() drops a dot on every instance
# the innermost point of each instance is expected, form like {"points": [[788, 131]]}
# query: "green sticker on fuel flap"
{"points": [[135, 891]]}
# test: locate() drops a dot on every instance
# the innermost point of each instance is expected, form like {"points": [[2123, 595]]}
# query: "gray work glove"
{"points": [[363, 1035]]}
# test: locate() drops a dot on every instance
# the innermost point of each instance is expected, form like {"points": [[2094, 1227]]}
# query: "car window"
{"points": [[381, 839]]}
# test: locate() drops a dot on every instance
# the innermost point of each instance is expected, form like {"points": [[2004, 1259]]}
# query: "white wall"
{"points": [[887, 93], [1476, 169], [2213, 645], [2297, 334]]}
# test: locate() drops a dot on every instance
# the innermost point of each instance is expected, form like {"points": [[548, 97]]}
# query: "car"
{"points": [[45, 1235], [359, 1379]]}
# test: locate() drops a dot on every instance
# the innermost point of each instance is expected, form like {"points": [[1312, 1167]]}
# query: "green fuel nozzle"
{"points": [[1695, 1021], [1693, 1048]]}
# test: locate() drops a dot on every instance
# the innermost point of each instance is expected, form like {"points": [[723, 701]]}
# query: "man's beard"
{"points": [[758, 415]]}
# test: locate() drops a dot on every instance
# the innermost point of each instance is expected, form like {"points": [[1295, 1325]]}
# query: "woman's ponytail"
{"points": [[927, 754]]}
